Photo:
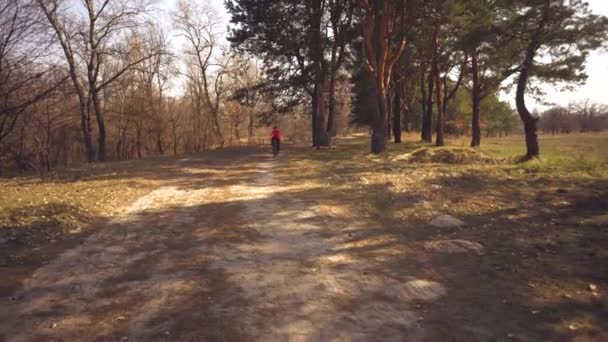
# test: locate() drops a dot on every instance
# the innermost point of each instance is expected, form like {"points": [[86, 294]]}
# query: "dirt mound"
{"points": [[446, 155]]}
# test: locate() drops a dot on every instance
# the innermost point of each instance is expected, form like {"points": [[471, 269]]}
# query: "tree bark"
{"points": [[251, 124], [427, 120], [101, 126], [438, 94], [476, 99], [331, 113], [379, 21], [439, 141], [320, 137], [138, 142], [530, 122], [389, 113], [397, 109], [378, 139], [423, 99], [85, 126]]}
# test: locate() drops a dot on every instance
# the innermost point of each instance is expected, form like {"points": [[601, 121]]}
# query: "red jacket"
{"points": [[276, 134]]}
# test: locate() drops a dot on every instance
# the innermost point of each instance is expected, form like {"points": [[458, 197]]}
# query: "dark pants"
{"points": [[276, 142]]}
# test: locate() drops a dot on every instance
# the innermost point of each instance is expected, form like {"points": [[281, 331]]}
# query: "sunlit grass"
{"points": [[584, 154], [72, 196]]}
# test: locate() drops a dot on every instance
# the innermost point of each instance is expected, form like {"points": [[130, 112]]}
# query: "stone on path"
{"points": [[446, 221], [454, 246], [419, 289]]}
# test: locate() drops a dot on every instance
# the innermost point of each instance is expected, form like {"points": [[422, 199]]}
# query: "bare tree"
{"points": [[23, 74], [91, 40], [206, 71]]}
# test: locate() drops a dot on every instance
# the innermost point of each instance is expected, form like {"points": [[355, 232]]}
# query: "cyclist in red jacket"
{"points": [[275, 138]]}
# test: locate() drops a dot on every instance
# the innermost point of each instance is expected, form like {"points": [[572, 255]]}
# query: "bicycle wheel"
{"points": [[275, 148]]}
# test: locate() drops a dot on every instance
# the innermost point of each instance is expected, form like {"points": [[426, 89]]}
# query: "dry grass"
{"points": [[445, 155]]}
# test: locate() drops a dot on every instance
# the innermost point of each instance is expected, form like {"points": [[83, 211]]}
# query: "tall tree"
{"points": [[384, 39], [200, 27], [562, 33], [89, 41], [302, 44], [475, 24], [24, 47]]}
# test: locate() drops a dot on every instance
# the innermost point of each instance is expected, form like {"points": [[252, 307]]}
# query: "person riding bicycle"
{"points": [[275, 138]]}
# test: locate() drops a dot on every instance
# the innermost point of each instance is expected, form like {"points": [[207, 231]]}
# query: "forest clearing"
{"points": [[323, 245]]}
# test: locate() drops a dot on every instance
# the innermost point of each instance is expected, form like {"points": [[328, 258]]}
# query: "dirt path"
{"points": [[234, 255]]}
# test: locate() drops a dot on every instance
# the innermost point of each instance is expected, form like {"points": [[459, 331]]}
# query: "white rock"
{"points": [[418, 289], [454, 246], [446, 221]]}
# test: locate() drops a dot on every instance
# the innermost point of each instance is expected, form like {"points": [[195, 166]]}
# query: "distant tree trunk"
{"points": [[174, 144], [438, 94], [159, 129], [159, 143], [476, 97], [427, 120], [331, 113], [423, 100], [138, 141], [389, 113], [407, 98], [320, 137], [251, 125], [101, 126], [440, 114], [378, 140], [85, 126], [397, 108]]}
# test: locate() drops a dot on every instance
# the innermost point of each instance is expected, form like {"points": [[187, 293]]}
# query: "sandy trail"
{"points": [[241, 260]]}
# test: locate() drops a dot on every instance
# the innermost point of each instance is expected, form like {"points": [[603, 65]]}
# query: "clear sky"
{"points": [[596, 88]]}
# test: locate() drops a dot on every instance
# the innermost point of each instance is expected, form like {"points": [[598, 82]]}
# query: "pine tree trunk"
{"points": [[427, 120], [476, 99], [389, 115], [378, 140], [320, 138], [331, 113], [397, 108], [438, 94], [529, 121], [423, 100], [440, 114]]}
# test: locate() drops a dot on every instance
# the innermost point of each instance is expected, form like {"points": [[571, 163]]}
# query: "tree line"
{"points": [[580, 117], [107, 79], [410, 60]]}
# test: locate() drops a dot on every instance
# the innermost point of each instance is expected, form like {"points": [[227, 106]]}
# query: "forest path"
{"points": [[242, 250]]}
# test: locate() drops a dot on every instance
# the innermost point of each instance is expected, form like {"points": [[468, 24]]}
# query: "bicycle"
{"points": [[275, 147]]}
